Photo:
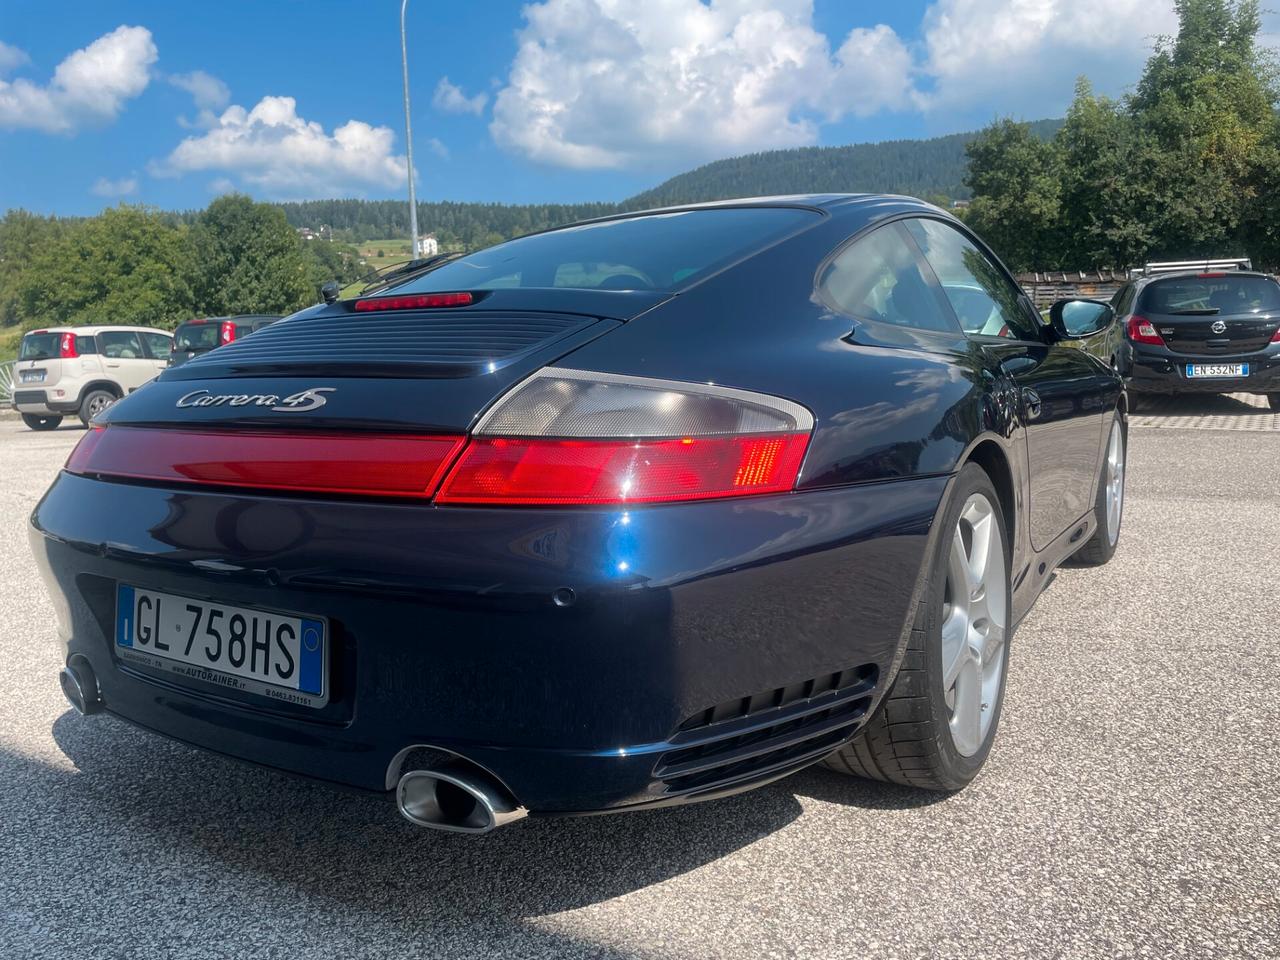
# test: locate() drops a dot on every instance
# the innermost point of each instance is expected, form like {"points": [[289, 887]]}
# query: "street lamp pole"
{"points": [[408, 134]]}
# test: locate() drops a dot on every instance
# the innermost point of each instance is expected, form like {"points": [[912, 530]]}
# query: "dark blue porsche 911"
{"points": [[643, 510]]}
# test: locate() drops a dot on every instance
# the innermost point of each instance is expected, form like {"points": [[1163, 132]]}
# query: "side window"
{"points": [[86, 345], [986, 302], [1125, 304], [157, 345], [879, 278], [120, 345]]}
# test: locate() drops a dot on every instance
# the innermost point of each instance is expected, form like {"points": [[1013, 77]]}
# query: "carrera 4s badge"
{"points": [[299, 402]]}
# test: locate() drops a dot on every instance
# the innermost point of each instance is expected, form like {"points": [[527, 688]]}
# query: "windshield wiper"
{"points": [[1200, 312], [378, 279]]}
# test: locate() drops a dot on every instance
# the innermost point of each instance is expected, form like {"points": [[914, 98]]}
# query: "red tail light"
{"points": [[501, 470], [1275, 337], [67, 347], [1142, 330], [228, 331], [418, 301], [363, 464]]}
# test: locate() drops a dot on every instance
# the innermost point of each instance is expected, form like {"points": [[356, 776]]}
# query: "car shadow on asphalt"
{"points": [[355, 849]]}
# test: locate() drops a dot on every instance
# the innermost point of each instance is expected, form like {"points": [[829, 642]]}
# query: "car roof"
{"points": [[238, 316], [831, 204], [90, 331], [1201, 274]]}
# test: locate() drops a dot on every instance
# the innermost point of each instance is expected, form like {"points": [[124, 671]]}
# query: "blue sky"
{"points": [[557, 100]]}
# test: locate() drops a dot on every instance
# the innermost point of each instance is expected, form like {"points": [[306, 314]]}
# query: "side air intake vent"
{"points": [[754, 736]]}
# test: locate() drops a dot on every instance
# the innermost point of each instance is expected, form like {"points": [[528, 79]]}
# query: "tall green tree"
{"points": [[1184, 167], [1106, 211], [22, 237], [1016, 181], [127, 265], [247, 259]]}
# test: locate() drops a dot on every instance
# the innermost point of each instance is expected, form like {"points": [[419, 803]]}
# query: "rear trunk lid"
{"points": [[1213, 315], [39, 363], [406, 370]]}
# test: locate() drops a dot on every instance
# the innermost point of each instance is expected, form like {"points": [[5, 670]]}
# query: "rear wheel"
{"points": [[939, 720], [37, 422], [1108, 507], [94, 402]]}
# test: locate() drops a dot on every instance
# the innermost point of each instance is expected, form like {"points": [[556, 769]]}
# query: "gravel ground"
{"points": [[1128, 810]]}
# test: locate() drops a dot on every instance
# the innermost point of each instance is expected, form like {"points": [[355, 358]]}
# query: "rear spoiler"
{"points": [[1187, 266]]}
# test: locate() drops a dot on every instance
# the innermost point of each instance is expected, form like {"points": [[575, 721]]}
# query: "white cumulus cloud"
{"points": [[1024, 54], [115, 188], [612, 83], [90, 86], [208, 92], [274, 149], [11, 58], [450, 99]]}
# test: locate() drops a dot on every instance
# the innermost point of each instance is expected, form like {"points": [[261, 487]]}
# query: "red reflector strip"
{"points": [[365, 464], [420, 301], [500, 470]]}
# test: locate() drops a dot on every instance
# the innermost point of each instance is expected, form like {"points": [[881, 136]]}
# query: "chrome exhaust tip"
{"points": [[456, 799], [80, 687]]}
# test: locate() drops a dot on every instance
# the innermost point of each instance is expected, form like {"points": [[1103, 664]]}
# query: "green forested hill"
{"points": [[922, 168], [918, 168]]}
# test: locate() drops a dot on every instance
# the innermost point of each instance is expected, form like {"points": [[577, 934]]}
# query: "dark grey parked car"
{"points": [[1214, 331], [195, 337]]}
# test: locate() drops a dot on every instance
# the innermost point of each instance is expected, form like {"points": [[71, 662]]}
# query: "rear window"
{"points": [[39, 346], [660, 252], [195, 336], [1207, 296]]}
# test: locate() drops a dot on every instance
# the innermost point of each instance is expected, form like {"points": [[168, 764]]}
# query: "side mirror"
{"points": [[1077, 319], [330, 291]]}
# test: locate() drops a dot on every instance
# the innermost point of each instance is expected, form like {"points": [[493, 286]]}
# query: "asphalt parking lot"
{"points": [[1129, 808]]}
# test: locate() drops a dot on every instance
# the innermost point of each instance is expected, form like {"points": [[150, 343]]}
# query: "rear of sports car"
{"points": [[408, 545]]}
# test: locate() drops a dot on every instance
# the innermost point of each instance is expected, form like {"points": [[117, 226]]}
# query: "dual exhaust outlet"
{"points": [[457, 797]]}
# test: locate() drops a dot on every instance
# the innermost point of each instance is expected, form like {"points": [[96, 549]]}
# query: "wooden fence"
{"points": [[1045, 288]]}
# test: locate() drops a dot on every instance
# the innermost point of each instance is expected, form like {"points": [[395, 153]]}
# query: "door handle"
{"points": [[1032, 401]]}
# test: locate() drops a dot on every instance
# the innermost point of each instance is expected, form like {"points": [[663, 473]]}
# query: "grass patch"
{"points": [[382, 253], [10, 340]]}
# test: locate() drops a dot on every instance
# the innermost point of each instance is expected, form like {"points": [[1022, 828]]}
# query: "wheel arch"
{"points": [[991, 457], [108, 385]]}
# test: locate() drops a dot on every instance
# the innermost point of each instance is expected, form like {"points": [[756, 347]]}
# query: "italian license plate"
{"points": [[31, 376], [1197, 370], [276, 655]]}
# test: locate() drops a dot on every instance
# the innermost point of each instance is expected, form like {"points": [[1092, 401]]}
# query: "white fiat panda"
{"points": [[83, 370]]}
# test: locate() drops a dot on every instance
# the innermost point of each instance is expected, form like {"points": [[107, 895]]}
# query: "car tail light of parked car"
{"points": [[67, 348], [228, 331], [1142, 330], [573, 437]]}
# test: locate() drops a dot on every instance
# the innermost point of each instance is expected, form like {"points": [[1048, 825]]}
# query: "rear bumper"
{"points": [[446, 634], [1158, 370], [39, 402]]}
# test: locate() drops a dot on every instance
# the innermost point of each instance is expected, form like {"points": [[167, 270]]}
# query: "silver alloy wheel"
{"points": [[1115, 482], [98, 403], [974, 621]]}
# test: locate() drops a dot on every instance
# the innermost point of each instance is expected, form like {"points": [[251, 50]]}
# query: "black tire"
{"points": [[94, 402], [1101, 547], [38, 422], [909, 740]]}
